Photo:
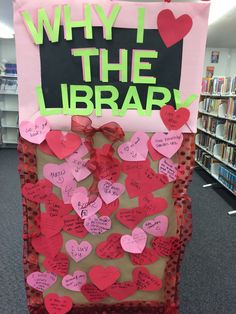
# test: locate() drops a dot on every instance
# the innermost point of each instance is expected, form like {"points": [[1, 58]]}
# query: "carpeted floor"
{"points": [[208, 281]]}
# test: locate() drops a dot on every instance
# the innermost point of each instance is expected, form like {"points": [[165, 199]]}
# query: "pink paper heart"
{"points": [[41, 281], [78, 251], [74, 282], [134, 243], [82, 205], [97, 225], [35, 132], [167, 144], [79, 153], [135, 149], [57, 174], [110, 191], [67, 190], [78, 168], [157, 226], [169, 168]]}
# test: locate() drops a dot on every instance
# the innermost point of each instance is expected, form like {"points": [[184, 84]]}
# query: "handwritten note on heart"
{"points": [[109, 209], [57, 305], [48, 247], [50, 226], [82, 205], [78, 169], [110, 191], [92, 293], [135, 149], [174, 119], [79, 153], [63, 144], [169, 168], [56, 207], [122, 290], [97, 225], [153, 153], [37, 192], [135, 168], [41, 281], [134, 243], [152, 205], [74, 282], [131, 217], [103, 277], [157, 226], [67, 190], [147, 257], [167, 144], [166, 246], [34, 132], [57, 265], [78, 251], [145, 281], [111, 248], [74, 225], [57, 174]]}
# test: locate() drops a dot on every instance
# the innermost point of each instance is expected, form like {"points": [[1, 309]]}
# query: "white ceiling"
{"points": [[221, 34]]}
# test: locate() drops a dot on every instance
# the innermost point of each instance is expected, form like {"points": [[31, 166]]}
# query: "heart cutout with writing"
{"points": [[41, 281], [48, 247], [57, 174], [145, 281], [78, 169], [57, 305], [134, 243], [67, 190], [153, 153], [56, 207], [109, 209], [78, 251], [74, 225], [109, 191], [97, 225], [34, 132], [103, 277], [147, 257], [169, 168], [152, 205], [157, 226], [111, 248], [131, 217], [174, 119], [50, 226], [57, 265], [166, 246], [167, 144], [37, 192], [92, 293], [74, 282], [122, 290]]}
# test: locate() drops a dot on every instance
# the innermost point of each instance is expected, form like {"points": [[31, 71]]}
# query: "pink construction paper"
{"points": [[74, 282], [58, 174], [78, 251], [78, 168], [41, 281], [109, 191], [167, 144], [169, 168], [157, 226], [134, 243], [97, 225], [67, 190], [34, 132]]}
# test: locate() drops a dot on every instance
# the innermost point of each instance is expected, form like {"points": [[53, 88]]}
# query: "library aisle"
{"points": [[208, 270]]}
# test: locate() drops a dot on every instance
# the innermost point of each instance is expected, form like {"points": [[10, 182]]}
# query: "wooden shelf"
{"points": [[216, 116]]}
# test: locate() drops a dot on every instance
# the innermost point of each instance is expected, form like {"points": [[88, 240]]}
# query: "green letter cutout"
{"points": [[184, 104], [86, 99], [140, 28], [137, 66], [111, 101], [43, 110], [136, 104], [156, 102], [122, 67]]}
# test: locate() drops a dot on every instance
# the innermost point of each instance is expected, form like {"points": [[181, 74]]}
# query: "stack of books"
{"points": [[228, 178], [219, 85]]}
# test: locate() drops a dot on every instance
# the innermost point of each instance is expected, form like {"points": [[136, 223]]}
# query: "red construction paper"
{"points": [[152, 205], [50, 226], [103, 277], [131, 217], [74, 225], [57, 265], [56, 207], [62, 144], [48, 247], [174, 119], [135, 167], [111, 248], [92, 293], [109, 209], [45, 148], [57, 305], [172, 29], [147, 257], [165, 246], [145, 281], [153, 153], [37, 192], [122, 290]]}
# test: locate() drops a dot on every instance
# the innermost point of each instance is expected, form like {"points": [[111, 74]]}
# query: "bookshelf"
{"points": [[216, 136]]}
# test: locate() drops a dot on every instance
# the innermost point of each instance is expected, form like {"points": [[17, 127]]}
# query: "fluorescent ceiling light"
{"points": [[5, 31], [220, 8]]}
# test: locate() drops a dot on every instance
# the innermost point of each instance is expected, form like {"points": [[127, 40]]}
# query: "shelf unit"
{"points": [[8, 115], [215, 144]]}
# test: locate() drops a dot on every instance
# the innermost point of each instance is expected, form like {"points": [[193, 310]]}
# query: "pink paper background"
{"points": [[28, 61]]}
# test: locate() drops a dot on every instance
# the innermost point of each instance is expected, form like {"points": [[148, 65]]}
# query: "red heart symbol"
{"points": [[152, 205], [37, 192], [62, 145], [174, 119], [74, 225], [56, 207], [134, 168], [48, 247], [145, 281], [154, 154], [165, 246], [104, 277], [50, 226], [172, 30], [110, 248], [57, 265], [45, 149], [92, 293], [147, 257], [131, 217], [122, 290], [108, 209], [57, 305]]}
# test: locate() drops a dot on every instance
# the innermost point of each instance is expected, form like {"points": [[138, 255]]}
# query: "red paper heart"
{"points": [[74, 225], [108, 209], [56, 207], [111, 248], [37, 192], [122, 290], [154, 154], [173, 30], [48, 247], [57, 265], [50, 226], [165, 246], [62, 145], [174, 119], [92, 293], [147, 257], [152, 205], [45, 149], [103, 277], [132, 168], [57, 305], [145, 281], [131, 217]]}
